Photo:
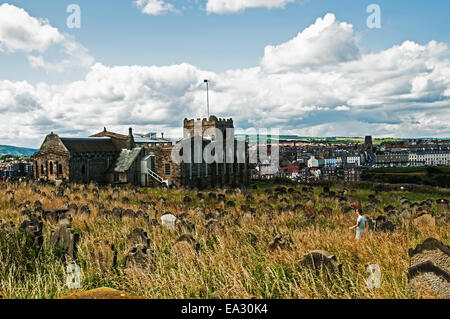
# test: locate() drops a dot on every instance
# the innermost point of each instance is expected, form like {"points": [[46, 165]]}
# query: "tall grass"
{"points": [[233, 261]]}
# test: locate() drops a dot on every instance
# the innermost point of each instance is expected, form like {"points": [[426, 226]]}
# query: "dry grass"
{"points": [[233, 262]]}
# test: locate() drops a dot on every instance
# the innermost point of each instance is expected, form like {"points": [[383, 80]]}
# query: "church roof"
{"points": [[89, 145], [125, 160]]}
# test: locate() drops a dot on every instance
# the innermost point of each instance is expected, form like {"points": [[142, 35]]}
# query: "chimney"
{"points": [[130, 132], [162, 135]]}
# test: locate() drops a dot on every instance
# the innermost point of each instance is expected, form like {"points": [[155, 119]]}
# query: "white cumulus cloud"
{"points": [[21, 32], [155, 7], [233, 6], [400, 91], [327, 41]]}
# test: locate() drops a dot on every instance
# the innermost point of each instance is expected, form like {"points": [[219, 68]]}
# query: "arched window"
{"points": [[60, 169], [51, 168], [83, 169], [42, 169]]}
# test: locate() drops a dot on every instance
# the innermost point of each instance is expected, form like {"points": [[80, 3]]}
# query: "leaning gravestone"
{"points": [[33, 227], [430, 268], [66, 238]]}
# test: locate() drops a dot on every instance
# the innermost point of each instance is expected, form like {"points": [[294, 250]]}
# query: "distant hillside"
{"points": [[17, 151]]}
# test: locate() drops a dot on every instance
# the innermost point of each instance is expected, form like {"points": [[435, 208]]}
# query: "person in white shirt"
{"points": [[360, 224]]}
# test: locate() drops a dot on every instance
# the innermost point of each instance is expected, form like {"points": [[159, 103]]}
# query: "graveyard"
{"points": [[268, 240]]}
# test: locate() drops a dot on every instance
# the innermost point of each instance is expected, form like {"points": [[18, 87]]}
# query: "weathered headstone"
{"points": [[139, 257], [430, 268], [102, 255], [117, 212], [442, 205], [321, 260], [66, 238], [115, 194], [425, 221], [168, 220], [382, 223], [281, 242], [33, 227], [85, 210], [139, 236]]}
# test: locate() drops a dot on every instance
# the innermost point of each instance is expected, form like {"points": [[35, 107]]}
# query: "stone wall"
{"points": [[51, 162], [90, 167], [212, 122]]}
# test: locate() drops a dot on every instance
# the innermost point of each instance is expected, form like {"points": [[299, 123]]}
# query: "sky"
{"points": [[306, 67]]}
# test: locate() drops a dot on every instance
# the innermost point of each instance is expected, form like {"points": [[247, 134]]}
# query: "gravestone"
{"points": [[8, 227], [212, 195], [281, 242], [168, 221], [382, 223], [73, 209], [425, 221], [187, 199], [33, 227], [128, 213], [230, 204], [139, 236], [84, 210], [102, 255], [116, 212], [321, 260], [213, 225], [54, 215], [442, 205], [139, 257], [430, 268], [115, 194], [67, 239]]}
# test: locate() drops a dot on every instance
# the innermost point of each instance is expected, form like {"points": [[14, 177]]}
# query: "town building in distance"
{"points": [[314, 159]]}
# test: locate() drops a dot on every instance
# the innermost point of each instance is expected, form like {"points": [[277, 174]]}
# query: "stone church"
{"points": [[112, 158]]}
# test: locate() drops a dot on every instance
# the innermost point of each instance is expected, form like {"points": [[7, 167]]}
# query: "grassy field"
{"points": [[233, 260], [434, 176]]}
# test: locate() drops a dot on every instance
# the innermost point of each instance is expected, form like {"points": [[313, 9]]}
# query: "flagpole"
{"points": [[207, 96]]}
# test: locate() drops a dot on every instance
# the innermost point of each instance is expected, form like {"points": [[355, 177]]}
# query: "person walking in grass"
{"points": [[360, 223]]}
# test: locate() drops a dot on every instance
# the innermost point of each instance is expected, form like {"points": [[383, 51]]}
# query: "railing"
{"points": [[157, 177]]}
